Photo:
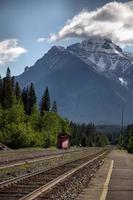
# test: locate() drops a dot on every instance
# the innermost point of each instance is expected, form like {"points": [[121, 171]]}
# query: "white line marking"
{"points": [[106, 184]]}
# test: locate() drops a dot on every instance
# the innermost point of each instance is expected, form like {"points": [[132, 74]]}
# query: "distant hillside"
{"points": [[108, 128]]}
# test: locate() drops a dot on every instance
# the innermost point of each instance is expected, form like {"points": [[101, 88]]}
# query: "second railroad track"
{"points": [[31, 186]]}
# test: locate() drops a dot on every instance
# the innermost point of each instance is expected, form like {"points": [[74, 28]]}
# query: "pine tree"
{"points": [[45, 102], [31, 98], [25, 99], [54, 107], [8, 73], [4, 99], [13, 83], [17, 91], [35, 118], [84, 141], [1, 85], [7, 94]]}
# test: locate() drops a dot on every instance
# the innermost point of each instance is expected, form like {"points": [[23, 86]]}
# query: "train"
{"points": [[63, 141]]}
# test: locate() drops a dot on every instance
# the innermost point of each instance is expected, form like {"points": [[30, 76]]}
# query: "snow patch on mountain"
{"points": [[123, 82], [87, 79], [104, 54]]}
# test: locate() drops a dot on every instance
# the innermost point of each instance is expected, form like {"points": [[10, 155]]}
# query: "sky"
{"points": [[28, 28]]}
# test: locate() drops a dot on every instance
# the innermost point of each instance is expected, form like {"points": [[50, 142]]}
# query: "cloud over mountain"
{"points": [[113, 20], [10, 50], [40, 40]]}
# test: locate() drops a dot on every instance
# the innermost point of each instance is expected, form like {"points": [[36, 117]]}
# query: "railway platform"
{"points": [[114, 179]]}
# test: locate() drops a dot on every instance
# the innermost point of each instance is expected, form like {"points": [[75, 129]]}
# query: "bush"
{"points": [[130, 145]]}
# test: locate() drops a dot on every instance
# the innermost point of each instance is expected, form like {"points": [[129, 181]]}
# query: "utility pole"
{"points": [[122, 119]]}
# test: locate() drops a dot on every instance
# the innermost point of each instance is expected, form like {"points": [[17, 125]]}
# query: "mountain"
{"points": [[107, 57], [89, 80]]}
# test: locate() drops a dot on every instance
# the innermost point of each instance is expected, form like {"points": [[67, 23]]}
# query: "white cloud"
{"points": [[10, 50], [113, 20], [41, 40]]}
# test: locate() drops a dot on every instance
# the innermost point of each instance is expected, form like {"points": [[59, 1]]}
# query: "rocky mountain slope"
{"points": [[89, 80], [106, 56]]}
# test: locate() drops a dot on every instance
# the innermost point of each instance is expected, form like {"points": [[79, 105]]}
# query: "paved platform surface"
{"points": [[114, 183], [121, 183], [95, 187]]}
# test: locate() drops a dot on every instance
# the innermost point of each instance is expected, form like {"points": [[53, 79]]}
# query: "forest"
{"points": [[25, 124], [125, 140], [86, 135]]}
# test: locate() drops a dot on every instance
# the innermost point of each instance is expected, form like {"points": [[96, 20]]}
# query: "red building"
{"points": [[63, 141]]}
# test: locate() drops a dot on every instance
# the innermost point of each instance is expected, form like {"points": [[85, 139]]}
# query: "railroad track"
{"points": [[33, 158], [31, 186]]}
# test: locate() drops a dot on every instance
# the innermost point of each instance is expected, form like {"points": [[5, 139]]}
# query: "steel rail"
{"points": [[22, 161], [11, 181], [57, 180], [57, 174]]}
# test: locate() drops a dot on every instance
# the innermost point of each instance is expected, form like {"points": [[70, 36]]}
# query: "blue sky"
{"points": [[22, 22]]}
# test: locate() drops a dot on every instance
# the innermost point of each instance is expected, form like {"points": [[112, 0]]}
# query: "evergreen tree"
{"points": [[25, 99], [8, 73], [18, 130], [45, 102], [31, 98], [3, 101], [7, 94], [86, 135], [84, 141], [1, 90], [130, 145], [13, 83], [54, 107], [126, 139], [17, 91]]}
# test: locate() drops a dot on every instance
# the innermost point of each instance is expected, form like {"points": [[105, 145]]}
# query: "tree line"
{"points": [[22, 122], [86, 135], [25, 124]]}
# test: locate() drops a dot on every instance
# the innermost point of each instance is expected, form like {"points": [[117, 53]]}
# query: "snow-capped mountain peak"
{"points": [[106, 55], [98, 45], [88, 79]]}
